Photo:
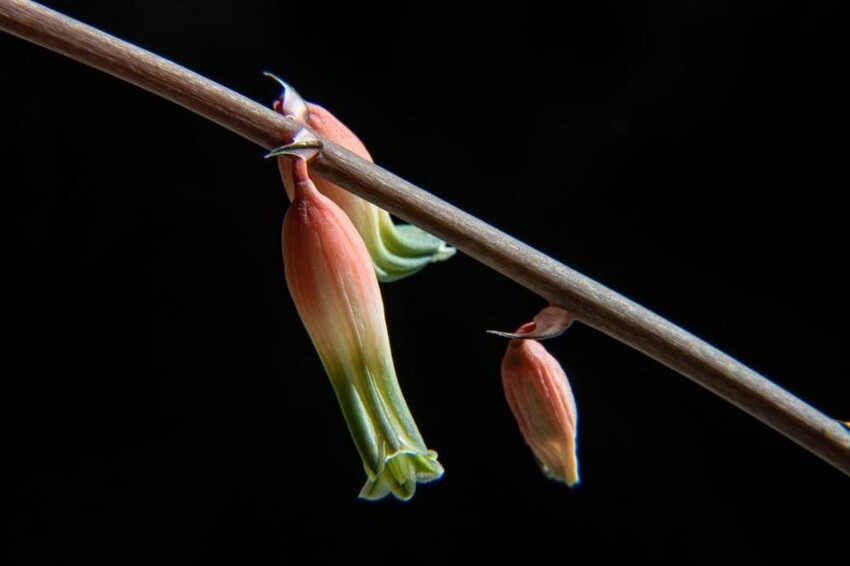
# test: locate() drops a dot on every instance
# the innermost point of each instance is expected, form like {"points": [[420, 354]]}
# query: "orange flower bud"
{"points": [[333, 285], [542, 402]]}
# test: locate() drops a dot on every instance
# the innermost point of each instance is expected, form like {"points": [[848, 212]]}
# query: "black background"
{"points": [[167, 407]]}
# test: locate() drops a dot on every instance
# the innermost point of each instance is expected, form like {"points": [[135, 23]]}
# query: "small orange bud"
{"points": [[542, 402]]}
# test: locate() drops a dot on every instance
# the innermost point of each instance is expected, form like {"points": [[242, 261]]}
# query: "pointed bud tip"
{"points": [[289, 103]]}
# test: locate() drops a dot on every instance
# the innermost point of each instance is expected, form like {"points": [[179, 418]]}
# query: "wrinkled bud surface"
{"points": [[396, 251], [542, 402], [333, 285]]}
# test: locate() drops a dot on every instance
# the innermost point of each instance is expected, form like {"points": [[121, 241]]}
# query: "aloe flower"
{"points": [[332, 282], [396, 250], [542, 402]]}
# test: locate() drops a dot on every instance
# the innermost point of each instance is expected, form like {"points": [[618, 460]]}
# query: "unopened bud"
{"points": [[542, 402]]}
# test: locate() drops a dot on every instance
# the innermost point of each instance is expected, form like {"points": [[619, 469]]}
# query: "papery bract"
{"points": [[551, 322], [542, 402], [330, 276], [396, 250]]}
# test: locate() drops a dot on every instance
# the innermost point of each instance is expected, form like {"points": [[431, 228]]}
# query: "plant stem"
{"points": [[589, 301]]}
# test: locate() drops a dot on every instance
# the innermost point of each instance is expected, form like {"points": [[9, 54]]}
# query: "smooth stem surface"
{"points": [[590, 302]]}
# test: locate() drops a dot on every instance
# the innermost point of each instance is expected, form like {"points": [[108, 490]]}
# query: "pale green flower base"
{"points": [[394, 454], [402, 250], [400, 475]]}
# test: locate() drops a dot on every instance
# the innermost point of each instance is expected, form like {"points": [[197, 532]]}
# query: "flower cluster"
{"points": [[336, 248]]}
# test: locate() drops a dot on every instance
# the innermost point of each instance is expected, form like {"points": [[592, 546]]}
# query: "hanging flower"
{"points": [[332, 282], [541, 400], [396, 250]]}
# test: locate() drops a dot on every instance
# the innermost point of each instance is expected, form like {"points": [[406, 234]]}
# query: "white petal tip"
{"points": [[289, 103]]}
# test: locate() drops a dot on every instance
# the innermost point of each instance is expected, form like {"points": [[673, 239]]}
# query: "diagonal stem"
{"points": [[590, 302]]}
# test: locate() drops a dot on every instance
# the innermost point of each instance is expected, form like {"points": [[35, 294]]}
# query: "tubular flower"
{"points": [[333, 285], [396, 250], [542, 402]]}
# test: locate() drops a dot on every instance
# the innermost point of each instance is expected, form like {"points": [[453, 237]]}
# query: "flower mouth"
{"points": [[399, 474]]}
